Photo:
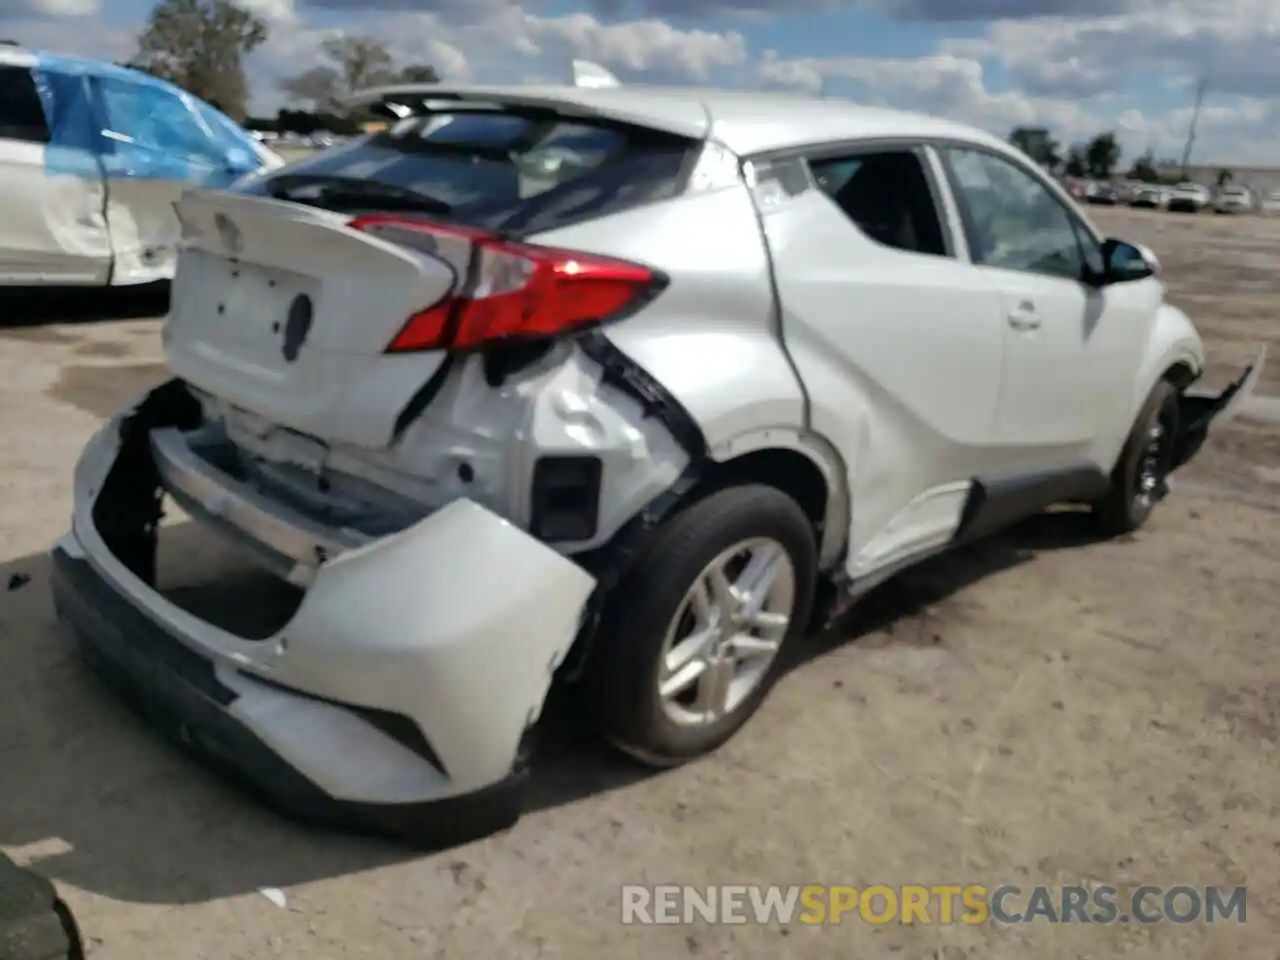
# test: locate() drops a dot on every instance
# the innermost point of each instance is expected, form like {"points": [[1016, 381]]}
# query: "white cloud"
{"points": [[48, 8], [1066, 64], [941, 84], [512, 45], [1238, 130], [1233, 42], [649, 45], [273, 11], [70, 35]]}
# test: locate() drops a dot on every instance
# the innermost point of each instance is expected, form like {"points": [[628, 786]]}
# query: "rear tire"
{"points": [[673, 605], [1139, 480]]}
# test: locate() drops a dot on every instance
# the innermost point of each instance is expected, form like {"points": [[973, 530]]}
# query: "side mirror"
{"points": [[1124, 262]]}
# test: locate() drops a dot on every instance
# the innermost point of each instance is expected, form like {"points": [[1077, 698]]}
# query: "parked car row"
{"points": [[1185, 197], [297, 141]]}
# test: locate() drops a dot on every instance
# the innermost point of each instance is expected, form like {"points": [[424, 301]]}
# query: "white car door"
{"points": [[1070, 346], [54, 227], [153, 151], [897, 341]]}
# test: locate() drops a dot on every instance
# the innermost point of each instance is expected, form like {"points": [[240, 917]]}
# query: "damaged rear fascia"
{"points": [[609, 562], [621, 372], [127, 513], [128, 509], [1196, 412]]}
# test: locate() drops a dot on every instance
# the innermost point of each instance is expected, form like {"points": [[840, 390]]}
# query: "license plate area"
{"points": [[241, 303]]}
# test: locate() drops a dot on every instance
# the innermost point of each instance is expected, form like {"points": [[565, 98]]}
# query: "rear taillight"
{"points": [[509, 291]]}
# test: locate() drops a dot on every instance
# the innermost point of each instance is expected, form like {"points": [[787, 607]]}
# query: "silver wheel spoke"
{"points": [[746, 647], [686, 662], [713, 689], [726, 634], [702, 605], [678, 681], [771, 625], [723, 593], [758, 578]]}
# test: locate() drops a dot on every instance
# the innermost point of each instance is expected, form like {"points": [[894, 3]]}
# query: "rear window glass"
{"points": [[21, 112], [508, 170]]}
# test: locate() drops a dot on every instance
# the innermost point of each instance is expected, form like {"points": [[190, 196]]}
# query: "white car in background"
{"points": [[1233, 198], [1188, 197], [1149, 196], [626, 387], [1271, 203], [88, 198]]}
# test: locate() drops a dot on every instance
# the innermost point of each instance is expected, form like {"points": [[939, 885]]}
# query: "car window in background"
{"points": [[511, 170], [1011, 219], [156, 120], [21, 112]]}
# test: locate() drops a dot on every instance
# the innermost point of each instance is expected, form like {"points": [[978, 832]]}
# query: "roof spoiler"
{"points": [[397, 101]]}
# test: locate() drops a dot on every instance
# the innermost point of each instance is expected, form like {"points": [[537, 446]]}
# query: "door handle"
{"points": [[1024, 316]]}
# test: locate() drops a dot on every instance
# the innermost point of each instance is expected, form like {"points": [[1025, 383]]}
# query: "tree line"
{"points": [[202, 46], [1098, 158]]}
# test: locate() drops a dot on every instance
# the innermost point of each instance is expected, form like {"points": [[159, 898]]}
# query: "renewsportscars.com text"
{"points": [[932, 904]]}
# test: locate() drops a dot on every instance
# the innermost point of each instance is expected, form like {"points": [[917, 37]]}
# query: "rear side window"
{"points": [[887, 196], [21, 112], [508, 170]]}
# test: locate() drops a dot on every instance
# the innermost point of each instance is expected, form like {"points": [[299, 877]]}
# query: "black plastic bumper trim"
{"points": [[397, 726], [180, 695], [657, 401]]}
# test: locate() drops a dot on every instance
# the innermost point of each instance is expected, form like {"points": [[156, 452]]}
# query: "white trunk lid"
{"points": [[283, 310]]}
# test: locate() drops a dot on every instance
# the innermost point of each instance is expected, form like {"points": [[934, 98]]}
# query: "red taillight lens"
{"points": [[508, 290]]}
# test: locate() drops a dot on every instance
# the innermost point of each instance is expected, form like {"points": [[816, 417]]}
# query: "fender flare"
{"points": [[837, 514]]}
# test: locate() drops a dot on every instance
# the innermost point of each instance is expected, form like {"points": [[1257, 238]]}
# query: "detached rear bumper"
{"points": [[1198, 413], [400, 696]]}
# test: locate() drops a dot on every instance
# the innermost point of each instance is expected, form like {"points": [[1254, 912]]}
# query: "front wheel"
{"points": [[691, 638], [1139, 480]]}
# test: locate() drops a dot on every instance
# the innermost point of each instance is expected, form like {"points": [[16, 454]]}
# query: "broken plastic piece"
{"points": [[275, 895]]}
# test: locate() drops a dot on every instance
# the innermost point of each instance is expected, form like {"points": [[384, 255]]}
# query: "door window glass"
{"points": [[1011, 219], [887, 196]]}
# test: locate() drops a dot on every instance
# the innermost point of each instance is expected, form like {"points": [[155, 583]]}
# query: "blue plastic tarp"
{"points": [[109, 120]]}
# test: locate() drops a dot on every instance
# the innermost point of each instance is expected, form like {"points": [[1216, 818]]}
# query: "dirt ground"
{"points": [[1041, 708]]}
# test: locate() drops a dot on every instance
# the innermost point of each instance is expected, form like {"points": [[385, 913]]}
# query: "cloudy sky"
{"points": [[1078, 66]]}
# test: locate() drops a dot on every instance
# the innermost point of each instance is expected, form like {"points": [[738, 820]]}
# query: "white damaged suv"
{"points": [[637, 416]]}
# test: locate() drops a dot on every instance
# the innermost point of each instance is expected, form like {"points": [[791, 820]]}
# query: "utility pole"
{"points": [[1201, 86]]}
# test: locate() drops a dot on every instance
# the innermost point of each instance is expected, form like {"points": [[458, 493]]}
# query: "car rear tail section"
{"points": [[287, 311], [303, 316]]}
